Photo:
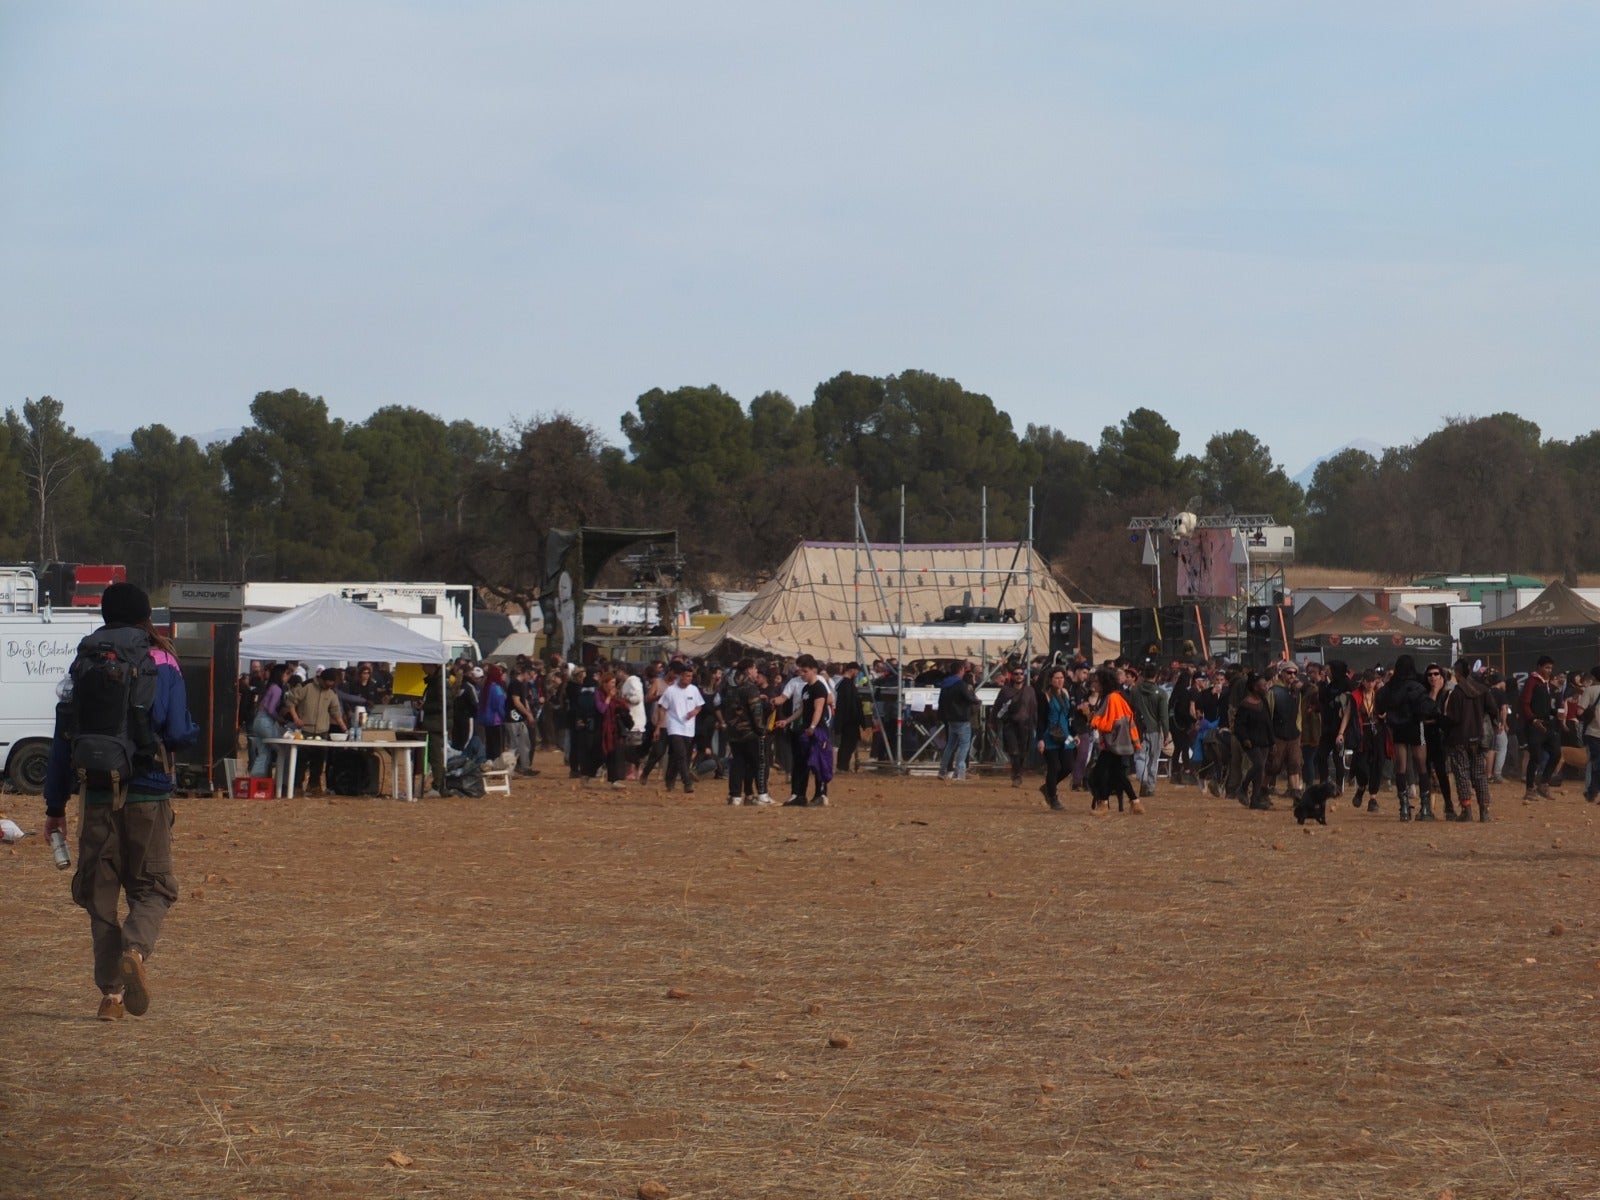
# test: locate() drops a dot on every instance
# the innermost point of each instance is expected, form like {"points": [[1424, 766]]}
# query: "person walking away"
{"points": [[1055, 738], [116, 728], [682, 702], [1463, 724]]}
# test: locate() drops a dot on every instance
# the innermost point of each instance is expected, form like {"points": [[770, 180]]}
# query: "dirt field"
{"points": [[926, 989]]}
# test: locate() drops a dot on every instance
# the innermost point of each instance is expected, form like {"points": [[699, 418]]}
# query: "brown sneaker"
{"points": [[1136, 808], [1544, 792], [110, 1008], [135, 991]]}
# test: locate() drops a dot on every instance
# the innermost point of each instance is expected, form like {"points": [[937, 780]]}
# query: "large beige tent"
{"points": [[809, 606]]}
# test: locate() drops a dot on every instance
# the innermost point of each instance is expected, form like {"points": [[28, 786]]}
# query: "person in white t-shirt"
{"points": [[682, 702]]}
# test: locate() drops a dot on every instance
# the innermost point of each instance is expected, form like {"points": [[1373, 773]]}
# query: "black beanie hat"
{"points": [[124, 604]]}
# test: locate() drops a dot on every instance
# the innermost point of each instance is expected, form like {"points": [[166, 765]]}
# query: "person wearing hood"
{"points": [[125, 841], [1466, 716], [1404, 703]]}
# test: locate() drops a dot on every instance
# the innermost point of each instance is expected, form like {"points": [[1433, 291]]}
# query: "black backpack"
{"points": [[107, 716]]}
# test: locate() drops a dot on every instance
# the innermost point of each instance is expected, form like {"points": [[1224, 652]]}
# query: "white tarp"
{"points": [[329, 629]]}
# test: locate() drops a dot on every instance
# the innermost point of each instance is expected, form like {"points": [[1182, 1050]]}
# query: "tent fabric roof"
{"points": [[513, 644], [332, 629], [809, 605], [1357, 616], [1309, 616], [1558, 606]]}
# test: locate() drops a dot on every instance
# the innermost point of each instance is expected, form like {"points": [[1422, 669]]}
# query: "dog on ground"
{"points": [[1312, 804]]}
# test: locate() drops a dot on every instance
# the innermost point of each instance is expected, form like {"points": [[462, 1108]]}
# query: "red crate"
{"points": [[255, 787]]}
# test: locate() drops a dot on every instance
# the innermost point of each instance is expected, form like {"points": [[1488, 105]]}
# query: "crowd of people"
{"points": [[1435, 737]]}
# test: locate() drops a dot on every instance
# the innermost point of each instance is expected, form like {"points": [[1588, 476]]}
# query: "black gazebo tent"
{"points": [[1558, 622], [1363, 635]]}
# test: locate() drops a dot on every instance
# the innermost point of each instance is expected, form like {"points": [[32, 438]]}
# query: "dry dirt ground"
{"points": [[926, 989]]}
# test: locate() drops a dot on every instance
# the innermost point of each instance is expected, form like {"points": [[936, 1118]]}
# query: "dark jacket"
{"points": [[1537, 703], [956, 700], [745, 713], [847, 714], [1465, 707], [1283, 705], [1403, 700], [1020, 705], [1252, 724]]}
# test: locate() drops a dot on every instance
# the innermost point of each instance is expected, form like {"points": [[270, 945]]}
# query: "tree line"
{"points": [[298, 494]]}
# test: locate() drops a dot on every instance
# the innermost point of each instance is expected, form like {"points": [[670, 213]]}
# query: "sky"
{"points": [[1320, 223]]}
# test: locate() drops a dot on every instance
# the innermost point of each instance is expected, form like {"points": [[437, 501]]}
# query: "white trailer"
{"points": [[36, 648]]}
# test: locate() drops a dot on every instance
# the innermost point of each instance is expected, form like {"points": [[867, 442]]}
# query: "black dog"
{"points": [[1313, 803]]}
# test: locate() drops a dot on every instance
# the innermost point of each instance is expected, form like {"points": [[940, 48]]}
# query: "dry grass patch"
{"points": [[924, 989]]}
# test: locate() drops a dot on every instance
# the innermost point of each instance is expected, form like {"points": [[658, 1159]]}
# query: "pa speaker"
{"points": [[1184, 636], [1268, 633], [1071, 635], [1141, 634]]}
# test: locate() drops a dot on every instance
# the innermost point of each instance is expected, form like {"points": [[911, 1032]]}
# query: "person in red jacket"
{"points": [[1541, 731]]}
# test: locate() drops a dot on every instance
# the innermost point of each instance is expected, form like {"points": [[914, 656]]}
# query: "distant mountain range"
{"points": [[1367, 444], [111, 440]]}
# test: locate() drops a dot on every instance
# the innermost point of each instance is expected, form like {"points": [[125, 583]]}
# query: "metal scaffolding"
{"points": [[887, 640]]}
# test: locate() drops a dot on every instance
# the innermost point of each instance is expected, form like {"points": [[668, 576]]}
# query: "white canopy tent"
{"points": [[329, 629]]}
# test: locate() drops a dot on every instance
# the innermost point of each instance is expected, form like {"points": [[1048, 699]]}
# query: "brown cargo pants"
{"points": [[127, 850]]}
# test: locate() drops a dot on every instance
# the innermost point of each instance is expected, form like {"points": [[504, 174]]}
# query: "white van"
{"points": [[36, 649]]}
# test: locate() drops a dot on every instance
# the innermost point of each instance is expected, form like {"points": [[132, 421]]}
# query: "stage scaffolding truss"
{"points": [[990, 634]]}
